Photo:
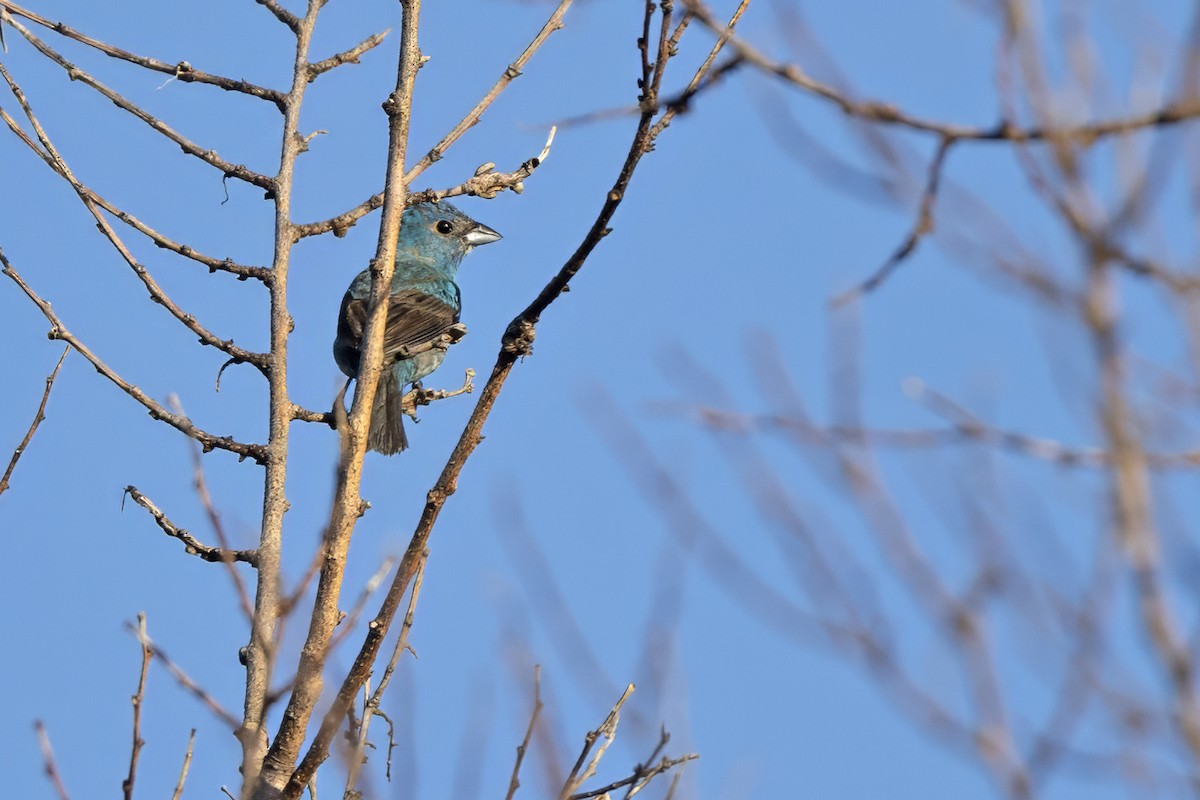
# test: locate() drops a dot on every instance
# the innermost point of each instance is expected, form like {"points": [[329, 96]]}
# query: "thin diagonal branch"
{"points": [[371, 707], [37, 420], [214, 264], [192, 546], [586, 764], [181, 70], [350, 56], [188, 684], [281, 14], [184, 425], [922, 226], [187, 763], [207, 337], [514, 781], [200, 484], [49, 765], [210, 157]]}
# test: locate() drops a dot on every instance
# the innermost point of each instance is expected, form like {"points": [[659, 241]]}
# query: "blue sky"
{"points": [[726, 248]]}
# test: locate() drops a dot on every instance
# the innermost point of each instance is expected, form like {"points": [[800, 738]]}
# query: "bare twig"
{"points": [[488, 183], [138, 697], [346, 626], [187, 763], [37, 420], [48, 763], [921, 227], [350, 56], [585, 767], [642, 775], [192, 546]]}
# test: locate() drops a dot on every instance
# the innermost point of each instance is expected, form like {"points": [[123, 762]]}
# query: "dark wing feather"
{"points": [[413, 318]]}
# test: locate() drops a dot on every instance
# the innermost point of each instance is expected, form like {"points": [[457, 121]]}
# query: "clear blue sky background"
{"points": [[725, 245]]}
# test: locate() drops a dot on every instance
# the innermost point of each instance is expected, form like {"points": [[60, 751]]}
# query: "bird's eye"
{"points": [[443, 227]]}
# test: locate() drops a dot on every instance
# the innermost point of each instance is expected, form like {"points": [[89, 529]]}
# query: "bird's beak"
{"points": [[481, 234]]}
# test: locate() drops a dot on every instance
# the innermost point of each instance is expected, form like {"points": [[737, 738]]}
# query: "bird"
{"points": [[425, 302]]}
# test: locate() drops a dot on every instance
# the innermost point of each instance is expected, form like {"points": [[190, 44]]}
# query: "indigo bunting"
{"points": [[425, 302]]}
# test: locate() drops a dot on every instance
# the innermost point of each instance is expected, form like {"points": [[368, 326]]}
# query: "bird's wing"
{"points": [[413, 318]]}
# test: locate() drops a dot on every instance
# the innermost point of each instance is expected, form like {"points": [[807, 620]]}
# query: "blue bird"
{"points": [[425, 302]]}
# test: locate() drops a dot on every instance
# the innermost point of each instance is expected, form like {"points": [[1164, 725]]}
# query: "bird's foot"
{"points": [[420, 396]]}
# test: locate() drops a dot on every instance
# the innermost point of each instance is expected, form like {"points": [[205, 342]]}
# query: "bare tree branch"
{"points": [[138, 697], [192, 546], [210, 157], [350, 56], [184, 425], [207, 337], [37, 420], [282, 14], [187, 763], [181, 70]]}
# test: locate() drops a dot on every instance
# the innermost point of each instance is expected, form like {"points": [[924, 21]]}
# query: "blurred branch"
{"points": [[200, 484], [37, 420], [182, 70], [49, 765], [1004, 131]]}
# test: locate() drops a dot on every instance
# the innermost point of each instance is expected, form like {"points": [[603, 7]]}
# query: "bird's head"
{"points": [[440, 232]]}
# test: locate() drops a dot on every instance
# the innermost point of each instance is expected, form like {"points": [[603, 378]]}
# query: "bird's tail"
{"points": [[386, 434]]}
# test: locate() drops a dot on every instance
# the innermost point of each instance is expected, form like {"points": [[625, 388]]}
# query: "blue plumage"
{"points": [[425, 301]]}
